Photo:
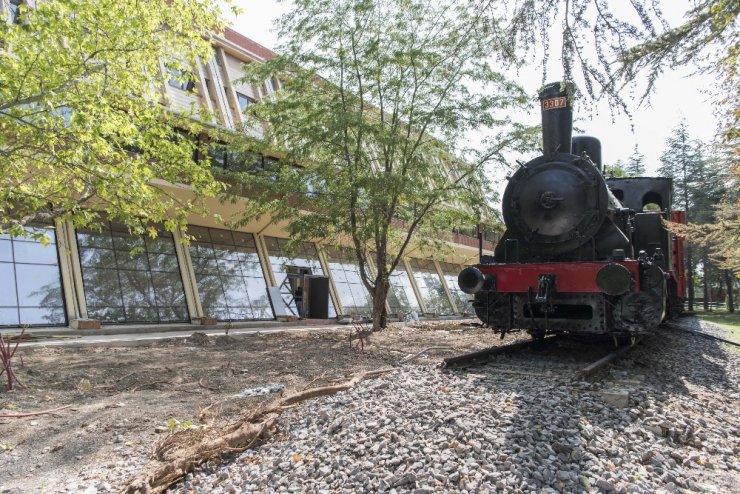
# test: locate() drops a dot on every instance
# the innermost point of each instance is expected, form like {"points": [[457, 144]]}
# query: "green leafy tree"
{"points": [[615, 170], [83, 125], [376, 100]]}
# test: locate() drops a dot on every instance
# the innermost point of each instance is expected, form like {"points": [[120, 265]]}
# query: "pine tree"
{"points": [[678, 161], [635, 166]]}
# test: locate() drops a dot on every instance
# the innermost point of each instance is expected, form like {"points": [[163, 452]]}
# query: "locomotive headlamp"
{"points": [[614, 279]]}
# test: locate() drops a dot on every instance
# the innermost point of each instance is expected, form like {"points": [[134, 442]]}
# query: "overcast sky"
{"points": [[679, 94]]}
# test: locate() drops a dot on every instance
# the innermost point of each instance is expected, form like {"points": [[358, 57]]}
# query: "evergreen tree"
{"points": [[635, 166], [678, 161]]}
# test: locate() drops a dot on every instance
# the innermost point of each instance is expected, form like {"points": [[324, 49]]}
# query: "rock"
{"points": [[605, 485], [616, 398]]}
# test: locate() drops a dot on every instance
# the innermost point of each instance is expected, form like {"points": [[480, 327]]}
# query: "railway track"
{"points": [[553, 357]]}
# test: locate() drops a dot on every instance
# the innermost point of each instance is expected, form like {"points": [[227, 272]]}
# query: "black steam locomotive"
{"points": [[581, 253]]}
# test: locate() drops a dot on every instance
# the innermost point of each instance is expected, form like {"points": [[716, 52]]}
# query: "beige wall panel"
{"points": [[453, 253], [180, 99], [234, 69]]}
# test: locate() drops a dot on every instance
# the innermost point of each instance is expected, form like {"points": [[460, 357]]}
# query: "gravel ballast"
{"points": [[422, 429]]}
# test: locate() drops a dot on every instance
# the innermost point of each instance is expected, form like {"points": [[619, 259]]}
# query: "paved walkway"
{"points": [[144, 334]]}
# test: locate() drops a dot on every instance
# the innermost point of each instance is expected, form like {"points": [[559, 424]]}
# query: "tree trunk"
{"points": [[690, 276], [730, 283], [380, 316], [707, 292]]}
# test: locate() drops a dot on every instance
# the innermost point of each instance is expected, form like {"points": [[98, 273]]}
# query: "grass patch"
{"points": [[729, 322]]}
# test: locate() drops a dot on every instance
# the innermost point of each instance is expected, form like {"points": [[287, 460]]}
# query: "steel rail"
{"points": [[594, 367], [701, 333], [481, 355]]}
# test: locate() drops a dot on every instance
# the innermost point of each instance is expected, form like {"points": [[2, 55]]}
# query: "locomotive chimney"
{"points": [[557, 118]]}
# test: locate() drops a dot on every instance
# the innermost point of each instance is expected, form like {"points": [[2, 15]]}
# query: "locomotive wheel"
{"points": [[493, 309]]}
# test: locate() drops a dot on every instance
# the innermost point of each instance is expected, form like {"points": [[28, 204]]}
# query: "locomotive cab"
{"points": [[580, 253]]}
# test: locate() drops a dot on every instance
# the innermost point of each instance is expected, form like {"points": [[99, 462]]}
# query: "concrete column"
{"points": [[214, 73], [75, 270], [264, 257], [187, 274], [417, 292], [71, 303], [205, 94], [238, 118], [441, 275]]}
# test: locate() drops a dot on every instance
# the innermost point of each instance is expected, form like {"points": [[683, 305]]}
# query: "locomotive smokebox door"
{"points": [[555, 204]]}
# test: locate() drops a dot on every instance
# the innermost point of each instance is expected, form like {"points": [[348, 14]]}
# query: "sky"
{"points": [[679, 94]]}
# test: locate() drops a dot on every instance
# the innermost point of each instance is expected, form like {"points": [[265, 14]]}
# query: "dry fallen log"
{"points": [[33, 414], [180, 453]]}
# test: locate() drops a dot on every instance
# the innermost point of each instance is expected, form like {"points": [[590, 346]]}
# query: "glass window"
{"points": [[32, 286], [430, 287], [345, 272], [401, 297], [131, 279], [217, 153], [15, 15], [303, 260], [462, 299], [229, 276], [244, 101], [181, 79]]}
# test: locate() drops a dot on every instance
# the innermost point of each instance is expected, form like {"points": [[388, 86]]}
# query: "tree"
{"points": [[594, 37], [376, 98], [719, 231], [635, 166], [81, 124], [698, 184], [677, 163], [615, 170]]}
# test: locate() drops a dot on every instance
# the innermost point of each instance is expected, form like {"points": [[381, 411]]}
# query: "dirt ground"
{"points": [[122, 400]]}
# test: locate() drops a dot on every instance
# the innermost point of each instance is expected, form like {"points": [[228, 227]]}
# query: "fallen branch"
{"points": [[124, 377], [323, 374], [33, 414], [136, 388], [419, 354], [173, 463], [205, 386]]}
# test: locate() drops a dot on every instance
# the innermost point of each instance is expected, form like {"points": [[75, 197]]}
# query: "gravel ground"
{"points": [[422, 429], [120, 399]]}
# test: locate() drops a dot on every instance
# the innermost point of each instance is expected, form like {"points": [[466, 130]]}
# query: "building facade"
{"points": [[247, 274]]}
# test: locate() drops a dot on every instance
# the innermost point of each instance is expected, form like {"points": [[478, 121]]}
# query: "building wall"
{"points": [[91, 274]]}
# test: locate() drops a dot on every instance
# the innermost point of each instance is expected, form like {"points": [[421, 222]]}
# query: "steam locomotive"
{"points": [[582, 253]]}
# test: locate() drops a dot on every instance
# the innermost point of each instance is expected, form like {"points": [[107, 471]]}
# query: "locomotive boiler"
{"points": [[581, 253]]}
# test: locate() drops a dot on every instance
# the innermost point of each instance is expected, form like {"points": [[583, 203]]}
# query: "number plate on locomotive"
{"points": [[553, 103]]}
